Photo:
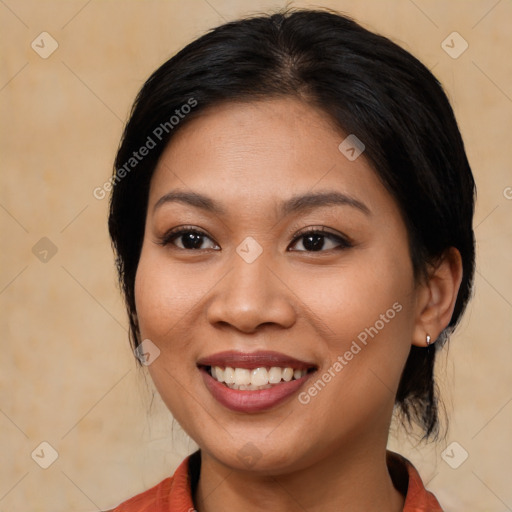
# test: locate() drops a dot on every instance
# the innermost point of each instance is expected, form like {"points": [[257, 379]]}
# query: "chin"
{"points": [[258, 454]]}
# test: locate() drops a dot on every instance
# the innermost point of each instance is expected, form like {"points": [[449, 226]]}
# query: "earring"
{"points": [[428, 340]]}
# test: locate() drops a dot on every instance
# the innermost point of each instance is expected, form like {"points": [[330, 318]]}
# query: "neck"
{"points": [[352, 479]]}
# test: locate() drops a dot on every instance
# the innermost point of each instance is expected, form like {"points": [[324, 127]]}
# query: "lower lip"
{"points": [[251, 401]]}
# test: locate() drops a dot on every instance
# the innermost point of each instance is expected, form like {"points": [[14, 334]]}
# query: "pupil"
{"points": [[313, 242], [192, 241]]}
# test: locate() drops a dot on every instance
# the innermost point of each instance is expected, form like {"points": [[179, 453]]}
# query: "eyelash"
{"points": [[170, 236]]}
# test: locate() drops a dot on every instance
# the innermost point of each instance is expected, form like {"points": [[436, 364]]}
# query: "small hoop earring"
{"points": [[428, 340]]}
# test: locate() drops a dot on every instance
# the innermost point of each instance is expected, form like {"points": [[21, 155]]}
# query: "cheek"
{"points": [[371, 313], [366, 312], [370, 296], [164, 297]]}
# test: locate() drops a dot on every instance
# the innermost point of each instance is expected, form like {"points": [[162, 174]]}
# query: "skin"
{"points": [[329, 454]]}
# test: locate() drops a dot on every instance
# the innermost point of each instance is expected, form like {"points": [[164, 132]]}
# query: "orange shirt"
{"points": [[174, 493]]}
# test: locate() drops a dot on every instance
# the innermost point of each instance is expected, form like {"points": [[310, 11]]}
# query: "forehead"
{"points": [[254, 153]]}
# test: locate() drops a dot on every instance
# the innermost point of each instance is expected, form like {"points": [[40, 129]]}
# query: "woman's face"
{"points": [[254, 293]]}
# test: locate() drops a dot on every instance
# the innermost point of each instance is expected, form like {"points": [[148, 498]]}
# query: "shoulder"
{"points": [[172, 493], [156, 496], [408, 481]]}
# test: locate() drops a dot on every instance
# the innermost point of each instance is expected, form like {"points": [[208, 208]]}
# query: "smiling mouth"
{"points": [[255, 379]]}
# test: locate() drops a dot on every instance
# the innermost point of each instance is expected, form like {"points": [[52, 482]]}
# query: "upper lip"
{"points": [[251, 360]]}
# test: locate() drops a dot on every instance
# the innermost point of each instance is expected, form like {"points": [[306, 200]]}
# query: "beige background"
{"points": [[67, 375]]}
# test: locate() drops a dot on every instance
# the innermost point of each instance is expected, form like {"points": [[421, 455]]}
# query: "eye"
{"points": [[191, 239], [314, 240]]}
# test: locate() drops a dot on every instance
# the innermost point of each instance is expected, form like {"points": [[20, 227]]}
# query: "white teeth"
{"points": [[242, 376], [287, 374], [258, 378], [218, 373], [274, 375], [229, 376]]}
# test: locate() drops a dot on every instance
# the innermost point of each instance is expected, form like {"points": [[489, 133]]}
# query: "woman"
{"points": [[292, 217]]}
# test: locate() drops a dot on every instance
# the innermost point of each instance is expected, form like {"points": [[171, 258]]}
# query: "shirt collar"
{"points": [[405, 477]]}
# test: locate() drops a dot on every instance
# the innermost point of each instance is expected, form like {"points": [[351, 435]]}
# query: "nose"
{"points": [[251, 295]]}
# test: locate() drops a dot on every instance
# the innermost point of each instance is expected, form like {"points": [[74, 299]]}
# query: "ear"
{"points": [[436, 297]]}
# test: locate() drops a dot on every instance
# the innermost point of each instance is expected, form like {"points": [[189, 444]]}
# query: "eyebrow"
{"points": [[302, 202]]}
